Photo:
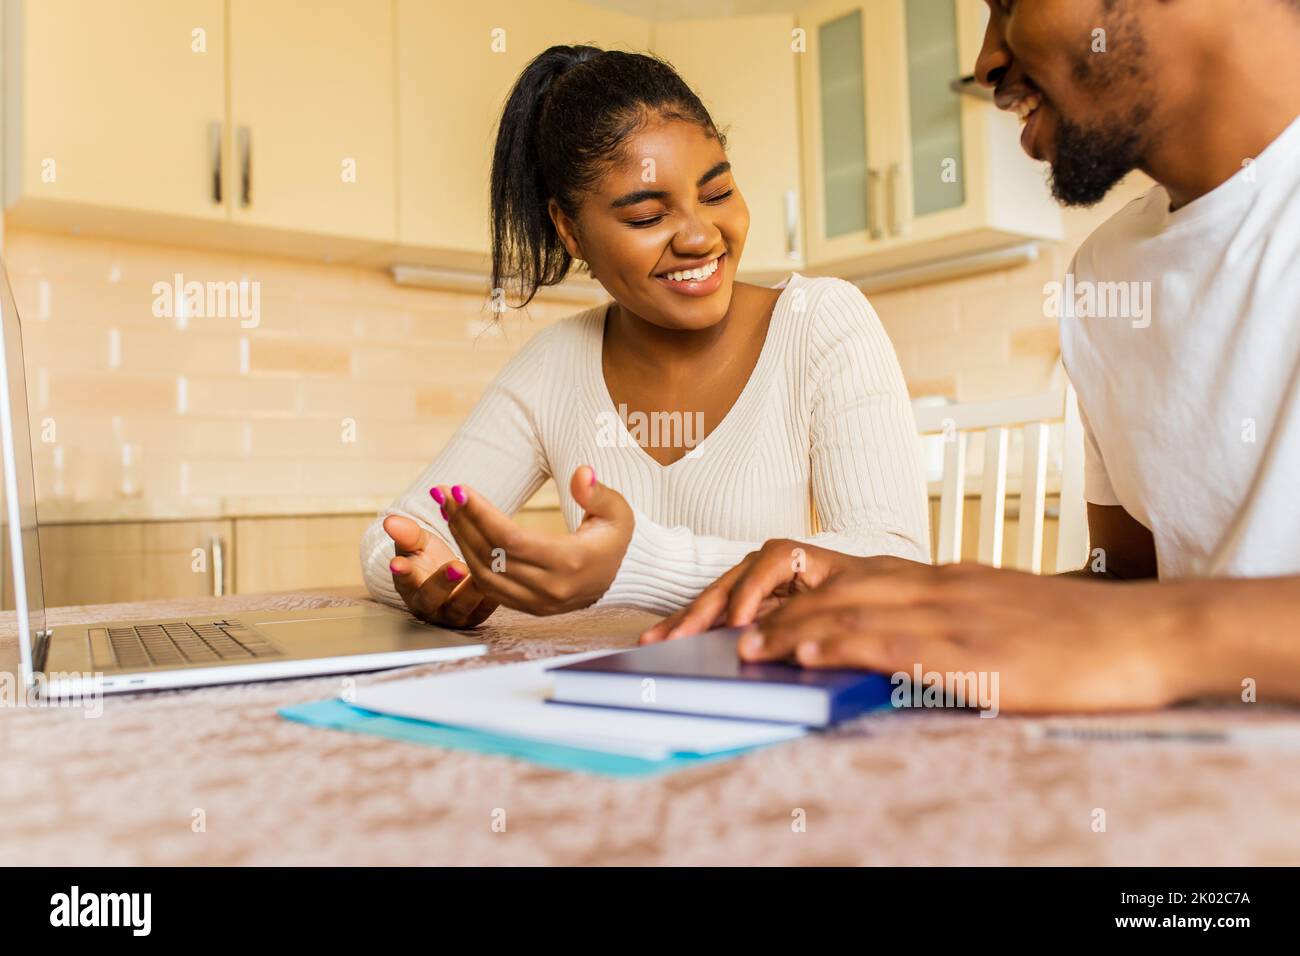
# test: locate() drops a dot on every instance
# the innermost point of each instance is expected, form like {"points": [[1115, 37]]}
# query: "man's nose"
{"points": [[994, 58]]}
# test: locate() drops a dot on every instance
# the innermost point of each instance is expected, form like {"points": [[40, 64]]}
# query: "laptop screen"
{"points": [[21, 551]]}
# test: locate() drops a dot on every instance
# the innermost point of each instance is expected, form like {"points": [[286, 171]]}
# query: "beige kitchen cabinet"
{"points": [[900, 169], [133, 561], [284, 554], [745, 71], [454, 72], [312, 137], [114, 106], [259, 126]]}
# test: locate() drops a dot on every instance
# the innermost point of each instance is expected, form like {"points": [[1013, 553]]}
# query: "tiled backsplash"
{"points": [[346, 384]]}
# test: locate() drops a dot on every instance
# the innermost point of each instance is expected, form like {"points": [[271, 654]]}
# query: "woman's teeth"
{"points": [[1025, 108], [693, 275]]}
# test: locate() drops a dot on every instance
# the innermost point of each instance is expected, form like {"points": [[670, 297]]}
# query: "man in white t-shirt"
{"points": [[1181, 334]]}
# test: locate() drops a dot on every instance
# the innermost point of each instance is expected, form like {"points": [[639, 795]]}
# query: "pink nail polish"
{"points": [[443, 509], [458, 493], [593, 477], [438, 496], [454, 575], [393, 569]]}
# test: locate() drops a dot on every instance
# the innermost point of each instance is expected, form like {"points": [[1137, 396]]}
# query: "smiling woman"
{"points": [[803, 425]]}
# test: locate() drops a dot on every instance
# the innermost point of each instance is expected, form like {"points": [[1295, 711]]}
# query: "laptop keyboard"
{"points": [[142, 646]]}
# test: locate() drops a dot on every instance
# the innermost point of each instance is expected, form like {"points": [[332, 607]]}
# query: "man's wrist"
{"points": [[1207, 657]]}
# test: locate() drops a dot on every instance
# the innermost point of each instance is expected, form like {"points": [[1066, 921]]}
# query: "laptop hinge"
{"points": [[40, 650]]}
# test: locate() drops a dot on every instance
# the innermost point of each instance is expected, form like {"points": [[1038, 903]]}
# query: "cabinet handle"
{"points": [[897, 201], [245, 166], [873, 204], [214, 144], [218, 549], [791, 224]]}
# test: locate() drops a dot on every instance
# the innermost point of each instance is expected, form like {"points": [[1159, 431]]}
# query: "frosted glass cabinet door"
{"points": [[842, 90], [937, 172], [851, 128]]}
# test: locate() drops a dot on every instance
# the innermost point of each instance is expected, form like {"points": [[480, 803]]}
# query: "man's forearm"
{"points": [[1242, 633]]}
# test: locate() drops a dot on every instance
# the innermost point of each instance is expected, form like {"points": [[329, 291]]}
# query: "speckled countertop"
{"points": [[894, 788]]}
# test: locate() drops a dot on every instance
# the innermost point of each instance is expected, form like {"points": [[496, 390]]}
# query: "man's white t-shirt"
{"points": [[1191, 397]]}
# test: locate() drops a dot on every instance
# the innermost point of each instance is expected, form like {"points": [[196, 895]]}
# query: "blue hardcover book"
{"points": [[702, 675]]}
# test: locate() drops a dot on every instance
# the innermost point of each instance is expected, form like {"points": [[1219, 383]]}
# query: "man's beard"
{"points": [[1090, 161]]}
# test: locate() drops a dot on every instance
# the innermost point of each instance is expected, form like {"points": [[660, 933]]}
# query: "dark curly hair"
{"points": [[564, 124]]}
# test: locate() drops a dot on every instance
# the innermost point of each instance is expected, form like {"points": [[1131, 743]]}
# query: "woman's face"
{"points": [[673, 205]]}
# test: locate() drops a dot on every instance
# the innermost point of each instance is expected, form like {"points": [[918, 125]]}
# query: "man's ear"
{"points": [[566, 229]]}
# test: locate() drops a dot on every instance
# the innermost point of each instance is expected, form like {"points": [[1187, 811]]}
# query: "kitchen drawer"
{"points": [[287, 554], [137, 561]]}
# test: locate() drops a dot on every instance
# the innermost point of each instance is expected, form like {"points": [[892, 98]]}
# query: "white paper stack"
{"points": [[511, 699]]}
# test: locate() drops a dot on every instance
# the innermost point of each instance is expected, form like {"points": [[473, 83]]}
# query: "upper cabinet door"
{"points": [[933, 171], [901, 169], [928, 186], [848, 133], [744, 70], [455, 72], [116, 105], [960, 178], [312, 104]]}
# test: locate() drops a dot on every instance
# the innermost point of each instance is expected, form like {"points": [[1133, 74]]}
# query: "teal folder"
{"points": [[339, 715]]}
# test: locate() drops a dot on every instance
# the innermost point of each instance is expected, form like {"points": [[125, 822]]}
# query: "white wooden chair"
{"points": [[958, 424]]}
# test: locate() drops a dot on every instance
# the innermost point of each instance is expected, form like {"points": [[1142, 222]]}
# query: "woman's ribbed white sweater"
{"points": [[820, 446]]}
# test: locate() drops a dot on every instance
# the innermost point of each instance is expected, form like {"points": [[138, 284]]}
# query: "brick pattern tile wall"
{"points": [[347, 384]]}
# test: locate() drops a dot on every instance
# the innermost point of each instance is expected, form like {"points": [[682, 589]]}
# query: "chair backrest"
{"points": [[1032, 415]]}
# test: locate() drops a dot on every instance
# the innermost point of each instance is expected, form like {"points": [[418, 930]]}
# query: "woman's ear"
{"points": [[566, 228]]}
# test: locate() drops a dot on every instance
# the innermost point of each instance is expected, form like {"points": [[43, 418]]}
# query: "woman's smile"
{"points": [[699, 281]]}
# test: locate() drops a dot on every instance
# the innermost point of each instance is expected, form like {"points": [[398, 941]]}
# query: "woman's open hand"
{"points": [[435, 586], [532, 570]]}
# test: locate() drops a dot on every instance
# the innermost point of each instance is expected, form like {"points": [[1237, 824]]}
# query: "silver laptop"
{"points": [[79, 659]]}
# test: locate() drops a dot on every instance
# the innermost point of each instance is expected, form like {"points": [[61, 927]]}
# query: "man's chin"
{"points": [[1085, 166], [1076, 195]]}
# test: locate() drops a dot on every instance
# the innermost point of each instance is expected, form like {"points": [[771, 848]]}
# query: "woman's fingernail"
{"points": [[443, 509], [753, 642], [393, 567], [807, 651], [454, 575], [593, 477], [438, 496], [458, 493]]}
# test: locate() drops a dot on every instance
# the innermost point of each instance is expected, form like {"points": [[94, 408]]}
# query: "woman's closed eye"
{"points": [[652, 220]]}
